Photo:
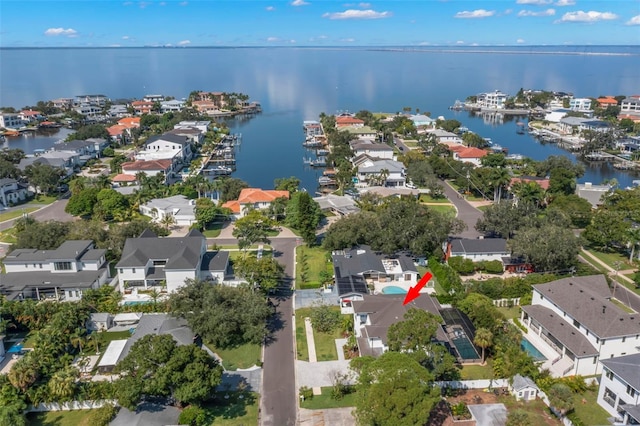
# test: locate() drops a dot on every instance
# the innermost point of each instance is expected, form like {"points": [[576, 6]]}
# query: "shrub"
{"points": [[575, 383], [192, 416], [517, 322], [493, 267], [461, 265], [306, 393], [103, 415], [108, 152]]}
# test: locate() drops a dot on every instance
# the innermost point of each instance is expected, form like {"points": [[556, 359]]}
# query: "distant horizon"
{"points": [[304, 46]]}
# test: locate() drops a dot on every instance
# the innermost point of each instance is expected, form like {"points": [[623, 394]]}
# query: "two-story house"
{"points": [[173, 105], [377, 150], [65, 161], [470, 155], [12, 192], [85, 150], [10, 121], [60, 274], [152, 262], [382, 173], [149, 168], [619, 390], [348, 120], [575, 321], [253, 199], [179, 207], [492, 100], [166, 147], [580, 104]]}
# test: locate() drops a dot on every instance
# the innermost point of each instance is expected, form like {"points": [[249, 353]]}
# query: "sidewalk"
{"points": [[618, 274]]}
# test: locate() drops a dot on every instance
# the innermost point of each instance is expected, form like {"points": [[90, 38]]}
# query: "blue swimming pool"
{"points": [[392, 289], [531, 350], [15, 348], [132, 303]]}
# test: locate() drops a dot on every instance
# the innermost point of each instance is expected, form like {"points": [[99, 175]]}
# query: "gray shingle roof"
{"points": [[16, 282], [215, 261], [479, 246], [158, 324], [362, 259], [73, 145], [69, 250], [587, 300], [180, 253], [626, 367], [182, 140], [379, 165], [520, 383]]}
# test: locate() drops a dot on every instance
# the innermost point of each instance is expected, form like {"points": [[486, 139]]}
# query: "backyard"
{"points": [[60, 418], [103, 339], [587, 409], [312, 268], [477, 372], [243, 356]]}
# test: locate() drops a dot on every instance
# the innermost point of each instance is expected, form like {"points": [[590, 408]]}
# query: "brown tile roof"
{"points": [[542, 182], [471, 153], [116, 130], [257, 195], [129, 122], [123, 178], [147, 165], [348, 121], [233, 205]]}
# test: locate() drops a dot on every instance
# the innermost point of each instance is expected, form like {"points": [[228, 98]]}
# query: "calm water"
{"points": [[297, 84]]}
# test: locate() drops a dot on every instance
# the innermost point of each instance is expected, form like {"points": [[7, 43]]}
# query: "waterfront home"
{"points": [[149, 261], [98, 100], [195, 136], [374, 314], [575, 323], [592, 193], [142, 107], [216, 97], [253, 199], [478, 249], [203, 126], [470, 155], [607, 101], [89, 110], [382, 172], [62, 103], [179, 207], [30, 116], [580, 104], [130, 122], [575, 125], [376, 150], [422, 121], [619, 388], [443, 136], [10, 121], [492, 100], [312, 128], [149, 168], [12, 192], [86, 150], [391, 191], [166, 147], [59, 274], [206, 107], [172, 106], [153, 98], [340, 205], [118, 111], [555, 115], [361, 132], [348, 120]]}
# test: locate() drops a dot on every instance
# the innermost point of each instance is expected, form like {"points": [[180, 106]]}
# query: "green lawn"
{"points": [[8, 236], [238, 254], [447, 210], [423, 270], [590, 412], [243, 356], [43, 199], [310, 262], [60, 418], [468, 197], [105, 337], [539, 413], [302, 349], [477, 372], [426, 198], [16, 213], [483, 208], [325, 342], [325, 401], [213, 230], [240, 409], [611, 259], [510, 313]]}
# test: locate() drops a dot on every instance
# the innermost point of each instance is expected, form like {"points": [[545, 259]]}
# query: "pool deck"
{"points": [[404, 285]]}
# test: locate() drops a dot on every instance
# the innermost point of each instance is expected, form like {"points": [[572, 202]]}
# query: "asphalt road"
{"points": [[278, 402], [466, 212], [54, 211]]}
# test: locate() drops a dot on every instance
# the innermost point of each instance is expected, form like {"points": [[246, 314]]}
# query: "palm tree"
{"points": [[23, 374], [102, 181], [77, 184], [78, 338], [155, 295], [483, 339], [501, 177], [167, 221], [62, 384]]}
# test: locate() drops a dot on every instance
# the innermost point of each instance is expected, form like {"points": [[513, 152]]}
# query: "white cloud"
{"points": [[634, 21], [478, 13], [184, 42], [508, 11], [364, 5], [272, 39], [269, 8], [292, 41], [459, 42], [348, 40], [591, 16], [114, 45], [548, 12], [184, 3], [561, 3], [125, 37], [299, 3], [69, 32], [520, 41], [358, 14], [536, 2]]}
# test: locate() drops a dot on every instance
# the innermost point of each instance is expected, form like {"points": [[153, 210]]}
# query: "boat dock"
{"points": [[620, 162]]}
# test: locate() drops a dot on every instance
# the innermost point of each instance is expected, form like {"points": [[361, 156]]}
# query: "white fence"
{"points": [[474, 384], [506, 303], [68, 406]]}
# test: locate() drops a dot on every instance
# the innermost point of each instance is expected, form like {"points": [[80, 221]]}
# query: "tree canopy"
{"points": [[303, 214]]}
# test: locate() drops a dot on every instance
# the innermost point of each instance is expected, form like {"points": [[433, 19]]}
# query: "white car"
{"points": [[410, 185]]}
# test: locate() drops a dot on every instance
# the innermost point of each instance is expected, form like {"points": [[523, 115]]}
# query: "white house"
{"points": [[12, 192], [171, 106], [382, 172], [478, 249], [166, 147], [11, 121], [180, 207], [421, 120], [619, 390], [377, 150], [99, 321], [444, 136], [200, 125], [152, 262], [580, 104], [149, 168], [492, 100], [523, 388], [471, 155], [592, 193], [578, 124], [575, 320], [361, 132], [60, 274]]}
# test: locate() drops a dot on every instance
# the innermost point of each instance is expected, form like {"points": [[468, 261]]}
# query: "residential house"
{"points": [[203, 126], [30, 116], [118, 111], [99, 100], [575, 320], [195, 136], [575, 125], [130, 122], [377, 150], [179, 207], [382, 172], [630, 105], [253, 199], [152, 262], [443, 136], [122, 179], [523, 388], [422, 121], [142, 107], [65, 161], [580, 104], [85, 150], [592, 193], [10, 121], [99, 321], [619, 390], [340, 205], [167, 147], [374, 314], [556, 114], [63, 103], [492, 100], [470, 155], [12, 192], [348, 120], [312, 128], [361, 132], [607, 101], [89, 110], [118, 133], [478, 249], [541, 182], [206, 107], [218, 98], [59, 274], [149, 168], [153, 98], [172, 106]]}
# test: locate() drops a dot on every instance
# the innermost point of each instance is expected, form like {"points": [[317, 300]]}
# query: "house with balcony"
{"points": [[445, 137], [575, 125], [253, 199], [361, 132], [607, 101], [348, 120], [492, 100], [179, 207], [619, 390], [60, 274], [85, 150], [167, 146], [98, 100], [373, 149], [65, 161], [11, 121], [31, 116], [575, 324], [152, 262], [12, 192], [172, 106], [580, 104], [142, 107], [149, 168], [203, 126], [384, 172]]}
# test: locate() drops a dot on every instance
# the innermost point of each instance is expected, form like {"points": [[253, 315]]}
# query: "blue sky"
{"points": [[317, 23]]}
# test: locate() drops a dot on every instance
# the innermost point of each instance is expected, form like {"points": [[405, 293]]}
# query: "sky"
{"points": [[192, 23]]}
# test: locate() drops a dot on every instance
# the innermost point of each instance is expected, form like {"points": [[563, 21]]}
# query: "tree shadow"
{"points": [[228, 405]]}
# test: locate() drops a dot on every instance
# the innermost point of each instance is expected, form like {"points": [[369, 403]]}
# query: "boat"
{"points": [[312, 144], [323, 180], [322, 152], [318, 162], [515, 157], [218, 170]]}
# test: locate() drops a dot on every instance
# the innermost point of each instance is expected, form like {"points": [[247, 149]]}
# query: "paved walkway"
{"points": [[311, 343], [620, 274], [339, 347]]}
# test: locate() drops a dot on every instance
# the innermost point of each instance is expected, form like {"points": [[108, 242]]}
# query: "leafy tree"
{"points": [[252, 228], [325, 319], [12, 155], [225, 316], [504, 219], [449, 125], [562, 181], [89, 131], [193, 416], [206, 212], [43, 235], [483, 339], [43, 176], [83, 202], [230, 188], [578, 209], [561, 398], [62, 384], [103, 415], [482, 312], [264, 273], [290, 184], [420, 172], [303, 214], [24, 373], [606, 229], [8, 170], [461, 265], [112, 205], [528, 192], [393, 390], [475, 140], [548, 248]]}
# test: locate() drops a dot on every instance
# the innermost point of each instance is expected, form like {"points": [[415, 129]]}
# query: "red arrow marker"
{"points": [[414, 292]]}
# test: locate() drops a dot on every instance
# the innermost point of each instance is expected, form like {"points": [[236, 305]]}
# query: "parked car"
{"points": [[410, 185]]}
